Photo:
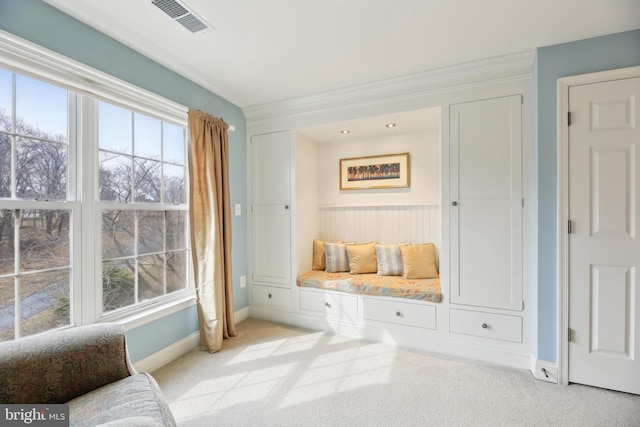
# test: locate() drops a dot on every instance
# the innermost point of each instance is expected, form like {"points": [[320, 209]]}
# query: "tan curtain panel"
{"points": [[210, 213]]}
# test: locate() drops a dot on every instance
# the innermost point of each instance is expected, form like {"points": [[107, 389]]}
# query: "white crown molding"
{"points": [[481, 72]]}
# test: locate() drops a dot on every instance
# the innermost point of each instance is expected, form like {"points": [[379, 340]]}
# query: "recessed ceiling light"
{"points": [[345, 131], [390, 125]]}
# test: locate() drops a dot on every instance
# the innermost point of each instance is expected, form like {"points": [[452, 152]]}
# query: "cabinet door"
{"points": [[486, 203], [270, 210]]}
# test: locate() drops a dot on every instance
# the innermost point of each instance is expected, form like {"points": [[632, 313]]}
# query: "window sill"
{"points": [[153, 312]]}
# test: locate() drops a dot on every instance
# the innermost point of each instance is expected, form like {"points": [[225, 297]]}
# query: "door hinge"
{"points": [[569, 118], [569, 334], [569, 226]]}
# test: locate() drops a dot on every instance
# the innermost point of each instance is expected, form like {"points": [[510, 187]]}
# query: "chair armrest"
{"points": [[58, 366]]}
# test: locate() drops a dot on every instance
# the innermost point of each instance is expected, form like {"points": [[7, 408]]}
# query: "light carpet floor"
{"points": [[278, 375]]}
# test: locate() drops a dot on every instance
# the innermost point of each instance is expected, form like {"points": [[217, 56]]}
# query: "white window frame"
{"points": [[24, 57]]}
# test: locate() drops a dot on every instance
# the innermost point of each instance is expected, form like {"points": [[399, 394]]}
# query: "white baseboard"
{"points": [[241, 314], [160, 358], [543, 370], [167, 354], [403, 337]]}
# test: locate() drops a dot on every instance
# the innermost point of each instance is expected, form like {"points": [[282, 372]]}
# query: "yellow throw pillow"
{"points": [[319, 258], [419, 261], [362, 258]]}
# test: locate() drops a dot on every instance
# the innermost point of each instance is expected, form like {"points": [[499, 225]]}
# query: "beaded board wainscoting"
{"points": [[277, 375], [385, 224]]}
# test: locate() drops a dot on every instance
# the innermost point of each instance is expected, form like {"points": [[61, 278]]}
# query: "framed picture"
{"points": [[387, 171]]}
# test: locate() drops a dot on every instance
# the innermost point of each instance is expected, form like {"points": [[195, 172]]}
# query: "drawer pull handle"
{"points": [[398, 314], [485, 326], [269, 295], [326, 304]]}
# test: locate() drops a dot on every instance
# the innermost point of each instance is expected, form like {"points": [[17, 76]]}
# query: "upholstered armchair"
{"points": [[86, 367]]}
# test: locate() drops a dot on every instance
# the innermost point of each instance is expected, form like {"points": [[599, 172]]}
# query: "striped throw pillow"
{"points": [[389, 260], [336, 257]]}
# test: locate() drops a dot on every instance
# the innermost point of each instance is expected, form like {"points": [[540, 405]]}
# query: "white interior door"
{"points": [[604, 244]]}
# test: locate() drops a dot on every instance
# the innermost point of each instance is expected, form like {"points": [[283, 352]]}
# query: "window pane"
{"points": [[44, 239], [176, 271], [118, 234], [147, 180], [44, 301], [114, 177], [6, 92], [118, 284], [41, 109], [41, 170], [7, 245], [5, 165], [114, 128], [173, 184], [173, 143], [7, 309], [150, 277], [150, 231], [147, 141], [176, 230]]}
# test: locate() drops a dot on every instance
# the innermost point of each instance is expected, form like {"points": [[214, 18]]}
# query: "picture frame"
{"points": [[374, 172]]}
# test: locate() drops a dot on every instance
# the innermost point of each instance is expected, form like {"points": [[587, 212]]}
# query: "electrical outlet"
{"points": [[238, 209], [243, 281]]}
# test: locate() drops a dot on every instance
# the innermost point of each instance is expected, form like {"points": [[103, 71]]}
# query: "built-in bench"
{"points": [[373, 284], [393, 270]]}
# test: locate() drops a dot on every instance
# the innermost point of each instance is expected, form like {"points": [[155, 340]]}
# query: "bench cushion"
{"points": [[373, 284]]}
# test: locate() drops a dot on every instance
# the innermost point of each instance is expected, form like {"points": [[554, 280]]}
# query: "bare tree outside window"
{"points": [[139, 196], [5, 163], [144, 250], [34, 145], [7, 242]]}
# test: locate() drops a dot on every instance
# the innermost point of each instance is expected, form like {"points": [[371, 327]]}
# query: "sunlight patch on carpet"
{"points": [[341, 371], [225, 391], [276, 348]]}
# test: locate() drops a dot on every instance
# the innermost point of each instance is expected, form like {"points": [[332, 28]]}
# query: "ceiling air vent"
{"points": [[180, 13]]}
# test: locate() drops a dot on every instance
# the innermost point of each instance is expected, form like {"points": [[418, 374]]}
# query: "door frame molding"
{"points": [[564, 84]]}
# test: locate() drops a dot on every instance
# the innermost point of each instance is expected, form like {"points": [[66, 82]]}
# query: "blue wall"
{"points": [[46, 26], [38, 22], [553, 62]]}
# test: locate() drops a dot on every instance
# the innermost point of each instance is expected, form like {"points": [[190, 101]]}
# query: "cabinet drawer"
{"points": [[486, 325], [334, 305], [401, 313], [270, 296]]}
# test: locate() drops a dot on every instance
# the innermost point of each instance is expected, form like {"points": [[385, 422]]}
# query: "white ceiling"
{"points": [[369, 128], [266, 51]]}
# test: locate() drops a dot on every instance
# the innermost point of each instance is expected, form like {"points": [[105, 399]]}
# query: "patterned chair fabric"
{"points": [[87, 367]]}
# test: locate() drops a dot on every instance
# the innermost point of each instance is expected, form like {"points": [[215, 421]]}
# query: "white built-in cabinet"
{"points": [[270, 218], [482, 314], [486, 215]]}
